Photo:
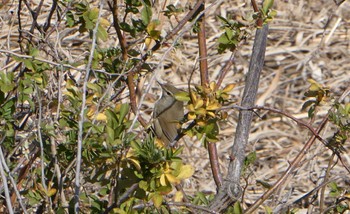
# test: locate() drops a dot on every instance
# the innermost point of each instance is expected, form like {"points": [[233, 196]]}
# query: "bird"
{"points": [[167, 114]]}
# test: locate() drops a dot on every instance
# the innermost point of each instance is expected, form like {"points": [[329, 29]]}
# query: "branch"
{"points": [[130, 76], [231, 190], [81, 116], [296, 162], [293, 166], [204, 76], [224, 71]]}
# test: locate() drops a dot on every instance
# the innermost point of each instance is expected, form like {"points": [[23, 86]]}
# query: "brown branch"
{"points": [[224, 71], [301, 123], [295, 163], [203, 65], [130, 77], [184, 21], [289, 172], [49, 17], [259, 21], [298, 121], [169, 35], [203, 62]]}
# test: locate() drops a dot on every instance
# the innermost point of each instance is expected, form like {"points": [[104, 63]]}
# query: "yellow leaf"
{"points": [[90, 112], [157, 200], [51, 192], [228, 88], [130, 156], [213, 106], [89, 99], [172, 179], [198, 104], [210, 113], [186, 172], [201, 111], [315, 86], [178, 196], [148, 41], [191, 116], [190, 107], [159, 143], [193, 97], [163, 180], [201, 123], [101, 117], [104, 22], [212, 86]]}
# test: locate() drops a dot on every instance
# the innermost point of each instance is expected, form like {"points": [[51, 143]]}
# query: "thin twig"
{"points": [[13, 182], [49, 17], [296, 162], [190, 205], [326, 177], [292, 167], [225, 69], [81, 119], [4, 181], [40, 139], [54, 63]]}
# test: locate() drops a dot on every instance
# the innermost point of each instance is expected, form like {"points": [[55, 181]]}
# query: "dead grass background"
{"points": [[307, 39]]}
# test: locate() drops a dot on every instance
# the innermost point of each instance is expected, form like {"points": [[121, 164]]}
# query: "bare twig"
{"points": [[326, 177], [49, 17], [224, 71], [295, 163], [40, 139], [7, 170], [4, 182], [53, 63], [81, 119], [292, 167]]}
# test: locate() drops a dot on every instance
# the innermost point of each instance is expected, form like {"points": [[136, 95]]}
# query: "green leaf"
{"points": [[7, 86], [29, 64], [237, 209], [102, 33], [157, 200], [70, 19], [110, 134], [267, 5], [182, 96], [124, 110], [146, 14], [7, 110]]}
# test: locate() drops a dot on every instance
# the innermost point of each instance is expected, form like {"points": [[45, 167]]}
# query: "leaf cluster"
{"points": [[317, 95], [204, 103], [158, 169]]}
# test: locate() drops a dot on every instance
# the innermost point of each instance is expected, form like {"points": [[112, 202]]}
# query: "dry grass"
{"points": [[301, 45]]}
